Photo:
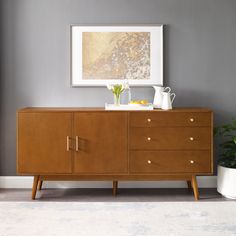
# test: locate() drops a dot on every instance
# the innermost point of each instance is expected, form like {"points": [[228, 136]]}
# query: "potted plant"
{"points": [[226, 179]]}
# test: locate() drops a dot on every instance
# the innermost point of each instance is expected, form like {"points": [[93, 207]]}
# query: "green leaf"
{"points": [[234, 139]]}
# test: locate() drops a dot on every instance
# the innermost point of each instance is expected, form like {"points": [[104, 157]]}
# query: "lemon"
{"points": [[144, 102], [139, 102]]}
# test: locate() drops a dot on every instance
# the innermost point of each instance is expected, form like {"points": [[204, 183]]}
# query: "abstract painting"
{"points": [[112, 54]]}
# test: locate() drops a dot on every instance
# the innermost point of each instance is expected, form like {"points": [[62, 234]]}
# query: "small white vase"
{"points": [[117, 99], [226, 182]]}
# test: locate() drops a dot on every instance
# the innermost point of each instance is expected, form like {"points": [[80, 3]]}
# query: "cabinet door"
{"points": [[102, 142], [42, 143]]}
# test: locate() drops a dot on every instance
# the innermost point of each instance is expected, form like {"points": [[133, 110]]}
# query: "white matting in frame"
{"points": [[102, 55]]}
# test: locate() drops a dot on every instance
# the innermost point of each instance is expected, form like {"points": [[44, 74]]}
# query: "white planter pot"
{"points": [[226, 182]]}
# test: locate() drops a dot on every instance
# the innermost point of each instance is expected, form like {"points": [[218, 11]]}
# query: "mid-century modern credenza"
{"points": [[95, 144]]}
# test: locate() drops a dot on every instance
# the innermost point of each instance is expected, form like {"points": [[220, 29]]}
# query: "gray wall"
{"points": [[200, 55]]}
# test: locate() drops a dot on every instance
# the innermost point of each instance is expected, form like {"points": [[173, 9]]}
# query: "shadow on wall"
{"points": [[1, 80], [190, 97], [8, 86], [1, 55], [166, 55]]}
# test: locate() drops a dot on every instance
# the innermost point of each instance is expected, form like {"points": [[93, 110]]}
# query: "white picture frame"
{"points": [[155, 34]]}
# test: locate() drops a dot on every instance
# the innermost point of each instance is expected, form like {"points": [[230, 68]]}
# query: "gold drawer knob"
{"points": [[149, 138], [191, 119], [191, 138], [149, 162], [149, 120], [192, 162]]}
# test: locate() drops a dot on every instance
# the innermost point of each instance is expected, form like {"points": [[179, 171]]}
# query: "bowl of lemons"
{"points": [[143, 102]]}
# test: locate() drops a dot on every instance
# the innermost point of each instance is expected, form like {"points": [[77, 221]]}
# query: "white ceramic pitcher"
{"points": [[167, 100], [157, 102]]}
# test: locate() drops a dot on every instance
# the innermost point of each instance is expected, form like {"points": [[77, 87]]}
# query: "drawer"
{"points": [[165, 118], [170, 162], [164, 138]]}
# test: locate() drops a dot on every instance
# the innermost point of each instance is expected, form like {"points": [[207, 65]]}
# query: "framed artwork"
{"points": [[102, 55]]}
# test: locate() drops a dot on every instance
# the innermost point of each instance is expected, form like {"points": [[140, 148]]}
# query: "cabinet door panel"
{"points": [[42, 143], [102, 139]]}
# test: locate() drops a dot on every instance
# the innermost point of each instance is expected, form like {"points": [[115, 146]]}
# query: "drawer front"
{"points": [[158, 119], [170, 162], [178, 138]]}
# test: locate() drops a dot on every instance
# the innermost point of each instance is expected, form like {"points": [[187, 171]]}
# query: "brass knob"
{"points": [[191, 161], [149, 162], [149, 138], [149, 120], [191, 119], [191, 138]]}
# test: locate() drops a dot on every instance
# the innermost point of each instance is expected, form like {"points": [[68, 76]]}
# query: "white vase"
{"points": [[226, 182]]}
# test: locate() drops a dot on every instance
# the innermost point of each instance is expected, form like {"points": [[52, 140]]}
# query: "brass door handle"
{"points": [[67, 143], [76, 143]]}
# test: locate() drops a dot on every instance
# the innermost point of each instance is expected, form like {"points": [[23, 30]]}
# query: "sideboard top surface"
{"points": [[102, 109]]}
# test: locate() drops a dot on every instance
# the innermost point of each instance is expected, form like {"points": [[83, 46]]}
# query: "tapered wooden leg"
{"points": [[195, 187], [35, 184], [189, 184], [114, 190], [40, 183]]}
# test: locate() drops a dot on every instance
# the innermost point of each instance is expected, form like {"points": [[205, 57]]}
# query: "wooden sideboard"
{"points": [[94, 144]]}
